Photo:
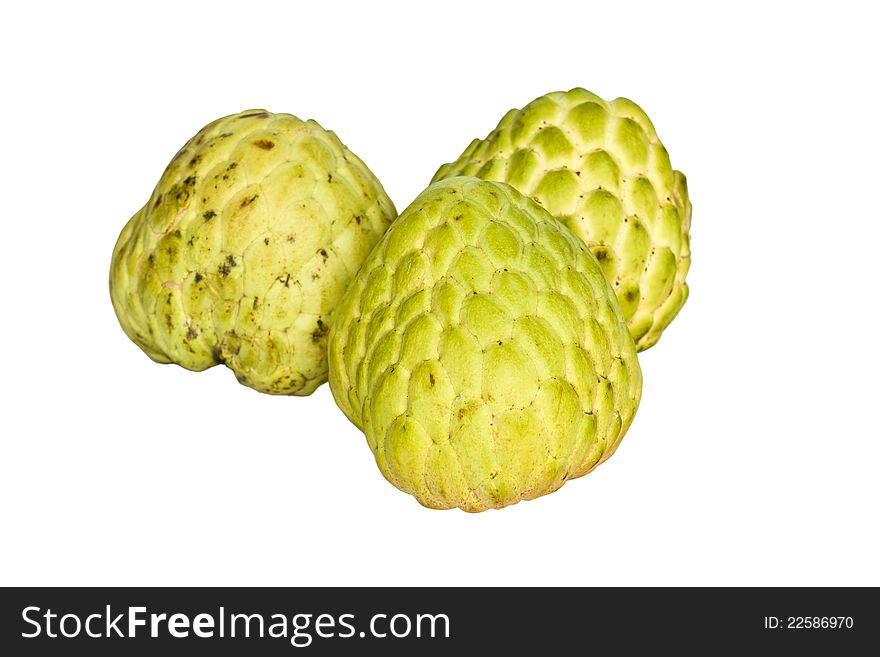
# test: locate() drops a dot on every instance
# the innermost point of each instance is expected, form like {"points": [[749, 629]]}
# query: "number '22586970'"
{"points": [[808, 622]]}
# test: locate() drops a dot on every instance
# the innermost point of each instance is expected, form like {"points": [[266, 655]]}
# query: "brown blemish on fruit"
{"points": [[247, 201], [227, 266], [265, 144], [319, 332], [198, 277], [210, 214]]}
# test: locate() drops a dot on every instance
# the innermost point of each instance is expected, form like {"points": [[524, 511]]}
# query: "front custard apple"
{"points": [[599, 168], [482, 351], [245, 248]]}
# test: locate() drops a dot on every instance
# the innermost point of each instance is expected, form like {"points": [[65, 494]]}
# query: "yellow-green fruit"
{"points": [[245, 248], [599, 167], [482, 351]]}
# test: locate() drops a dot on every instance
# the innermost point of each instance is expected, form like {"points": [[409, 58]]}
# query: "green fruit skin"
{"points": [[482, 351], [244, 249], [599, 167]]}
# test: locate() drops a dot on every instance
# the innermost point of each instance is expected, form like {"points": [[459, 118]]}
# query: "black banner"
{"points": [[423, 621]]}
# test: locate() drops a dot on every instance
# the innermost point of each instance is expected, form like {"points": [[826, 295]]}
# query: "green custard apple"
{"points": [[599, 167], [244, 249], [482, 351]]}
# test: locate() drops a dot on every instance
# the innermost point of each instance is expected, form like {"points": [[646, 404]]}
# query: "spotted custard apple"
{"points": [[482, 351], [244, 249], [599, 167]]}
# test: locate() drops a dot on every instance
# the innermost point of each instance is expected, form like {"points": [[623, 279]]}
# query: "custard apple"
{"points": [[599, 167], [482, 351], [245, 248]]}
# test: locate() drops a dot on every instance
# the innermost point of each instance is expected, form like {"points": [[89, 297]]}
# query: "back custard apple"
{"points": [[482, 351], [599, 167], [245, 248]]}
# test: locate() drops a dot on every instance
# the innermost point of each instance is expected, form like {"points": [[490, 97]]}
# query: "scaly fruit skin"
{"points": [[598, 167], [482, 352], [244, 249]]}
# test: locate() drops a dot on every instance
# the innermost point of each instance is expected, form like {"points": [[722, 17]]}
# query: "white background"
{"points": [[754, 458]]}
